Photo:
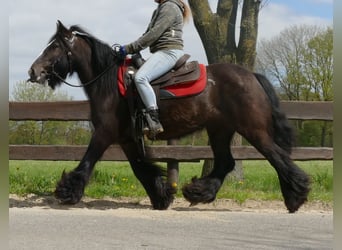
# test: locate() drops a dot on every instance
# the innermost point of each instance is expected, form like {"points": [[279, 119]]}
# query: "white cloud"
{"points": [[274, 18], [32, 23]]}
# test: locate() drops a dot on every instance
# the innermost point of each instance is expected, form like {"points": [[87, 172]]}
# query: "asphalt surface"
{"points": [[128, 228]]}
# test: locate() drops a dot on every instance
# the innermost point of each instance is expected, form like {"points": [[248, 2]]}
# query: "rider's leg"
{"points": [[157, 65]]}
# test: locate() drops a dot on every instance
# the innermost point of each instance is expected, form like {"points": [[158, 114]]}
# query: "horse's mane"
{"points": [[102, 58]]}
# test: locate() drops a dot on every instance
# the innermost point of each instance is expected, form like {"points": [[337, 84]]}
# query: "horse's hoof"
{"points": [[297, 195], [293, 205], [70, 188], [66, 198], [162, 203], [201, 190], [164, 196]]}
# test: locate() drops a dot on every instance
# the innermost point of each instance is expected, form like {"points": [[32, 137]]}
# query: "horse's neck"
{"points": [[85, 73], [98, 85]]}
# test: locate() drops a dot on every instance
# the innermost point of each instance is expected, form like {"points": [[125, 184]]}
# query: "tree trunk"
{"points": [[217, 32]]}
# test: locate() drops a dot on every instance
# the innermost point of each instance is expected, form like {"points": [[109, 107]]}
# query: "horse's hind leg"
{"points": [[151, 176], [203, 190], [294, 182]]}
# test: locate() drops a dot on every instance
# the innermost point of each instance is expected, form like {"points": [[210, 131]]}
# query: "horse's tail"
{"points": [[283, 133]]}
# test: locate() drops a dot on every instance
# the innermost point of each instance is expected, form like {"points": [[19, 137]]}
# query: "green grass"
{"points": [[116, 179]]}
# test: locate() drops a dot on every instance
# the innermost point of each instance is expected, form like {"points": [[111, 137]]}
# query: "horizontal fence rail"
{"points": [[158, 153], [80, 111]]}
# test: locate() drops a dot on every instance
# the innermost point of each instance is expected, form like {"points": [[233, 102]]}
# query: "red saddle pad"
{"points": [[173, 91]]}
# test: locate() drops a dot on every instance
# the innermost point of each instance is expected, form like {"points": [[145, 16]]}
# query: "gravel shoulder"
{"points": [[179, 204]]}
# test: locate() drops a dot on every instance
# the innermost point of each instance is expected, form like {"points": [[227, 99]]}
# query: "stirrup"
{"points": [[154, 126]]}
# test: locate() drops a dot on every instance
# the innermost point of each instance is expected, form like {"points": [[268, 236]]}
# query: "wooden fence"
{"points": [[79, 111]]}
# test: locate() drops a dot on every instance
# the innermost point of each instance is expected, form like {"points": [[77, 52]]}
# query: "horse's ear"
{"points": [[64, 32], [61, 27], [59, 23]]}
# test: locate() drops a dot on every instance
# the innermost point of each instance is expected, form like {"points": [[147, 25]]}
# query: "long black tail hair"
{"points": [[283, 132]]}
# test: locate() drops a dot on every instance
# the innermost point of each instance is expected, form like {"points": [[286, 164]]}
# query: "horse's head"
{"points": [[57, 59]]}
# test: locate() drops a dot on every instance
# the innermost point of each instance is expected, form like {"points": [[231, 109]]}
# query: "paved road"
{"points": [[128, 228]]}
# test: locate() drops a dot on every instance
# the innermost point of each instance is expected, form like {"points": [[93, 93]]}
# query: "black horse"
{"points": [[234, 100]]}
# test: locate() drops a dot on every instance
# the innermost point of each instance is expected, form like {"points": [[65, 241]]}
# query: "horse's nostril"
{"points": [[31, 72]]}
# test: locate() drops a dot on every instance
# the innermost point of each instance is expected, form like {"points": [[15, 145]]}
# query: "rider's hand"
{"points": [[123, 51], [119, 51]]}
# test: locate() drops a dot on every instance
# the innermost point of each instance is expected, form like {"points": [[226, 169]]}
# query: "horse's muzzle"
{"points": [[38, 77]]}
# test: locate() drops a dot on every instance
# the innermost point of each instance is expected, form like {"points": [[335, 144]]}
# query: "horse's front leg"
{"points": [[71, 186], [151, 176]]}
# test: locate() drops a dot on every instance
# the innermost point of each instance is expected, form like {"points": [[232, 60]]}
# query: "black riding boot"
{"points": [[154, 126]]}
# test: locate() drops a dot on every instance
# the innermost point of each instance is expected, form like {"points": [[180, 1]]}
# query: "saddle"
{"points": [[182, 73], [185, 79]]}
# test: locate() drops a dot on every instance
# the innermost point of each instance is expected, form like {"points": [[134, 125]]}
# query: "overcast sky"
{"points": [[32, 23]]}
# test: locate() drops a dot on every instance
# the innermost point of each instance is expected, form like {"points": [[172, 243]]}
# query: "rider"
{"points": [[164, 38]]}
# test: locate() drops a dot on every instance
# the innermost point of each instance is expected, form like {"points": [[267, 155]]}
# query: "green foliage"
{"points": [[199, 138], [45, 132], [116, 179], [314, 133], [319, 70], [31, 92], [300, 62]]}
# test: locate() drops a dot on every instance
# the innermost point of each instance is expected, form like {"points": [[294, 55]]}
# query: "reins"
{"points": [[69, 53], [83, 84]]}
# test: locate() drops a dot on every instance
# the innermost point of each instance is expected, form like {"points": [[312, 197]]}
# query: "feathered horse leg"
{"points": [[71, 186], [152, 177]]}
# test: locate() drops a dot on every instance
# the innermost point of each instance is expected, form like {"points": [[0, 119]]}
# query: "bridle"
{"points": [[68, 55], [83, 84]]}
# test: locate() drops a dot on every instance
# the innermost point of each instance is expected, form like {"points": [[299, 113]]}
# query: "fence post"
{"points": [[172, 168]]}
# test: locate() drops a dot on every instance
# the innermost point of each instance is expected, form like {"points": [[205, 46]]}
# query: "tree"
{"points": [[217, 32], [28, 92], [45, 132], [300, 61], [319, 66]]}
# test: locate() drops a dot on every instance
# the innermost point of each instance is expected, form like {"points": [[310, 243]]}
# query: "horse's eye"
{"points": [[54, 45]]}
